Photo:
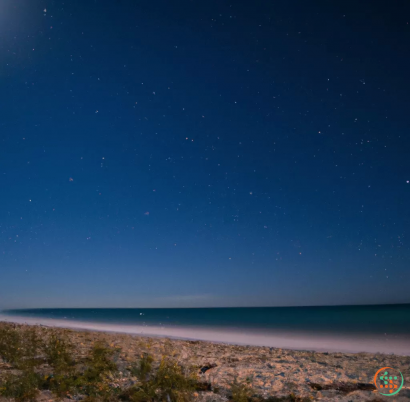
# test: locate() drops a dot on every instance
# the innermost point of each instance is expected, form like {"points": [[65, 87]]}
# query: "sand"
{"points": [[275, 371]]}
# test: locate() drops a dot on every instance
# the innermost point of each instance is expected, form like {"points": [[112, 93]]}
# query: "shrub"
{"points": [[95, 381], [170, 383], [66, 379], [10, 345], [143, 368], [61, 385], [23, 387], [58, 352], [99, 362], [145, 392], [171, 378], [241, 391], [31, 348]]}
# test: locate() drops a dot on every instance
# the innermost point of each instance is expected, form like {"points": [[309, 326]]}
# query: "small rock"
{"points": [[207, 367]]}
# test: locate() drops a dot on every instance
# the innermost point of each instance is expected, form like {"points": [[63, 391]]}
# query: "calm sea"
{"points": [[376, 320]]}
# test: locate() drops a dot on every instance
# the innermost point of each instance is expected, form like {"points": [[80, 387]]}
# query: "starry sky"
{"points": [[204, 153]]}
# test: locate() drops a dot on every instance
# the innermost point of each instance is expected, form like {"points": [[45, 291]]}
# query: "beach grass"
{"points": [[45, 360]]}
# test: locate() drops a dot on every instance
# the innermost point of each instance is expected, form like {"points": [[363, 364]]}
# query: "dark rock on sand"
{"points": [[207, 367]]}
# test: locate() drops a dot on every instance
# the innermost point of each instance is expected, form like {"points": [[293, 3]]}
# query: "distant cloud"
{"points": [[187, 297]]}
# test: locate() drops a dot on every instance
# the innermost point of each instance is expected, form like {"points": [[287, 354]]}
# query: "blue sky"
{"points": [[203, 154]]}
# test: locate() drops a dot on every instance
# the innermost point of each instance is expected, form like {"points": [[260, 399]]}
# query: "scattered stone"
{"points": [[207, 367]]}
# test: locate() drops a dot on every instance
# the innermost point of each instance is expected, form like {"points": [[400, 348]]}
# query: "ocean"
{"points": [[380, 328]]}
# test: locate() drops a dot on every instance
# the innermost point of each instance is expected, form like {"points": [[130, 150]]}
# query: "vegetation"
{"points": [[58, 352], [25, 349], [170, 382], [10, 345], [23, 387], [143, 368], [37, 359], [241, 391]]}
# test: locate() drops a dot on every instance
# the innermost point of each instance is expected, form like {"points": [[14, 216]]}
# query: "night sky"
{"points": [[204, 153]]}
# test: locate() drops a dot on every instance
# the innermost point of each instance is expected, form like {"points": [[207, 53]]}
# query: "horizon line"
{"points": [[182, 308]]}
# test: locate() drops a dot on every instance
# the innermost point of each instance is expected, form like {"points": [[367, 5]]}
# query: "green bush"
{"points": [[170, 383], [21, 347], [173, 381], [241, 391], [10, 345], [94, 382], [67, 380], [99, 363], [23, 387], [31, 348], [61, 385], [143, 368], [144, 392], [58, 352]]}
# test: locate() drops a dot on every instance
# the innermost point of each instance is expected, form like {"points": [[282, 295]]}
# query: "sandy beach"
{"points": [[275, 372]]}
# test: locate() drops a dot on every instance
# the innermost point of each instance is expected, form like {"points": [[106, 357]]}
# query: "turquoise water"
{"points": [[377, 320]]}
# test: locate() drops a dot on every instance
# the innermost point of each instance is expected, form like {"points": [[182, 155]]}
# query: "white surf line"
{"points": [[295, 341]]}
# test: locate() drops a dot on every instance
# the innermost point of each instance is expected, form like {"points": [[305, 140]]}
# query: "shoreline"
{"points": [[274, 372], [283, 340]]}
